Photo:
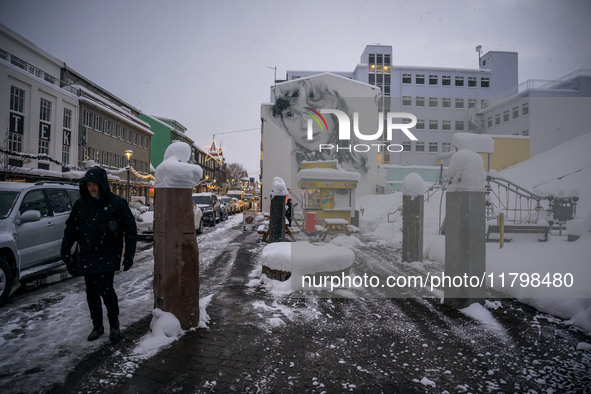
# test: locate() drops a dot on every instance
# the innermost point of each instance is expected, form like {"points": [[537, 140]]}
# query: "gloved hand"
{"points": [[127, 263], [70, 265]]}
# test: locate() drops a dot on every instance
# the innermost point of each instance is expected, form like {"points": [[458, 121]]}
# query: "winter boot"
{"points": [[96, 333], [114, 333]]}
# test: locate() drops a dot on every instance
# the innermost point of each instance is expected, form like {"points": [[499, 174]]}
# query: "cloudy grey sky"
{"points": [[205, 63]]}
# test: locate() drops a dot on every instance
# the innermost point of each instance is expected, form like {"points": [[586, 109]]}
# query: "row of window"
{"points": [[379, 64], [433, 125], [445, 80], [432, 147], [112, 159], [446, 102], [113, 129], [507, 115]]}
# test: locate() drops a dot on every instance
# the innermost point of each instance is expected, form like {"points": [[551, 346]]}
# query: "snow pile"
{"points": [[413, 185], [203, 316], [479, 143], [278, 188], [165, 329], [466, 172], [175, 171], [302, 259]]}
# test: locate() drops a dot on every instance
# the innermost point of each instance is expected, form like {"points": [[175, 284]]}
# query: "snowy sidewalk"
{"points": [[259, 343]]}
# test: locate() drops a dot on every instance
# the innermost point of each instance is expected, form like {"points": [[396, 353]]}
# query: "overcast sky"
{"points": [[205, 63]]}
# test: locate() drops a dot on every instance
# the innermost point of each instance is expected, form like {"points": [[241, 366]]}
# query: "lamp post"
{"points": [[128, 154]]}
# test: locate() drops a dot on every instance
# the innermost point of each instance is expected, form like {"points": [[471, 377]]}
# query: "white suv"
{"points": [[32, 222]]}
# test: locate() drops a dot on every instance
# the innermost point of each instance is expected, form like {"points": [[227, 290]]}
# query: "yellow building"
{"points": [[329, 190], [509, 150]]}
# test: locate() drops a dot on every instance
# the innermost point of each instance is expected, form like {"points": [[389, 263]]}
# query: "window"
{"points": [[515, 112], [387, 90], [489, 122], [472, 103], [420, 101], [67, 118], [420, 124], [446, 146], [97, 122], [18, 62], [406, 78], [446, 80], [433, 146], [433, 102], [433, 80], [483, 104], [506, 116], [87, 119], [446, 102], [525, 132], [420, 79], [484, 82], [107, 127], [497, 119], [446, 125], [524, 109], [433, 125], [459, 81], [17, 119], [459, 103], [44, 126], [459, 125], [372, 79], [472, 82], [67, 136], [59, 201], [406, 101], [35, 200], [419, 146], [406, 147]]}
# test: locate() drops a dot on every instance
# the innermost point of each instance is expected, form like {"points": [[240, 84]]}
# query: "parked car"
{"points": [[208, 202], [32, 223], [239, 195], [229, 205], [145, 222]]}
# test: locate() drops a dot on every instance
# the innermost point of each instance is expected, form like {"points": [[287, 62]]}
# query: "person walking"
{"points": [[288, 212], [99, 222]]}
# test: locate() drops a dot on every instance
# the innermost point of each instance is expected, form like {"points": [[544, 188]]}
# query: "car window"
{"points": [[202, 200], [74, 195], [7, 199], [59, 201], [35, 199]]}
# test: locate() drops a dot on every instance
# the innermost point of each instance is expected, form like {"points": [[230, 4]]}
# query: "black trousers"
{"points": [[101, 286]]}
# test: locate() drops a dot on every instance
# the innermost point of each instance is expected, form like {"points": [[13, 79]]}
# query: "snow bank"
{"points": [[466, 172], [165, 328], [278, 188], [413, 185], [175, 171], [475, 142]]}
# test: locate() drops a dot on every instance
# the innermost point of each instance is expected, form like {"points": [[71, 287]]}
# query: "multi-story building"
{"points": [[57, 120], [444, 100]]}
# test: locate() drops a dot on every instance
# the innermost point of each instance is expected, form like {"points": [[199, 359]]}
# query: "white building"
{"points": [[444, 100], [38, 116]]}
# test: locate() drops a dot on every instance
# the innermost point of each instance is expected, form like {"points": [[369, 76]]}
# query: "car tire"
{"points": [[199, 229], [6, 281]]}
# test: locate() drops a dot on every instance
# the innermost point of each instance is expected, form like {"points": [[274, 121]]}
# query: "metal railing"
{"points": [[519, 205]]}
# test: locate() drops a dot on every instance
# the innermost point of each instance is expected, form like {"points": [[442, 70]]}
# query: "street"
{"points": [[257, 342]]}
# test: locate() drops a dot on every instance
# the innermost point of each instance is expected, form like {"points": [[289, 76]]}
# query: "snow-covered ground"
{"points": [[562, 171], [43, 332]]}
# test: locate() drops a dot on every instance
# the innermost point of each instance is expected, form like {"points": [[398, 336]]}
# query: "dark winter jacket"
{"points": [[99, 225]]}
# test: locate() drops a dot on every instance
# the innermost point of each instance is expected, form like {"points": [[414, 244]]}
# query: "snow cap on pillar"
{"points": [[413, 185], [278, 188], [466, 172], [175, 171]]}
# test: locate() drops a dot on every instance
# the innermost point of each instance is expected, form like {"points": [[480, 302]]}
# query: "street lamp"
{"points": [[128, 154]]}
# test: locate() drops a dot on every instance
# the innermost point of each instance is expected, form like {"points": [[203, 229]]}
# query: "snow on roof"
{"points": [[328, 174], [475, 142]]}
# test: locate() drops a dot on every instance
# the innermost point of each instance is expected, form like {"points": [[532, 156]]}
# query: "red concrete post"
{"points": [[176, 256]]}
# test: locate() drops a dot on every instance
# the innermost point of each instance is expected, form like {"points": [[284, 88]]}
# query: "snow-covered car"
{"points": [[208, 202], [32, 223], [145, 222]]}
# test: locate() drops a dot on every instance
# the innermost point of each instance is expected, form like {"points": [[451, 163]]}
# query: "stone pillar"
{"points": [[277, 219], [465, 233], [413, 200], [176, 256]]}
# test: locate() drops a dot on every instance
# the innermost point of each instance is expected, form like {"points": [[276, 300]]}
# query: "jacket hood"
{"points": [[95, 175]]}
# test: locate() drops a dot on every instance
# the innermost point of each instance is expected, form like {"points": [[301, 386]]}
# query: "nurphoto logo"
{"points": [[344, 127]]}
